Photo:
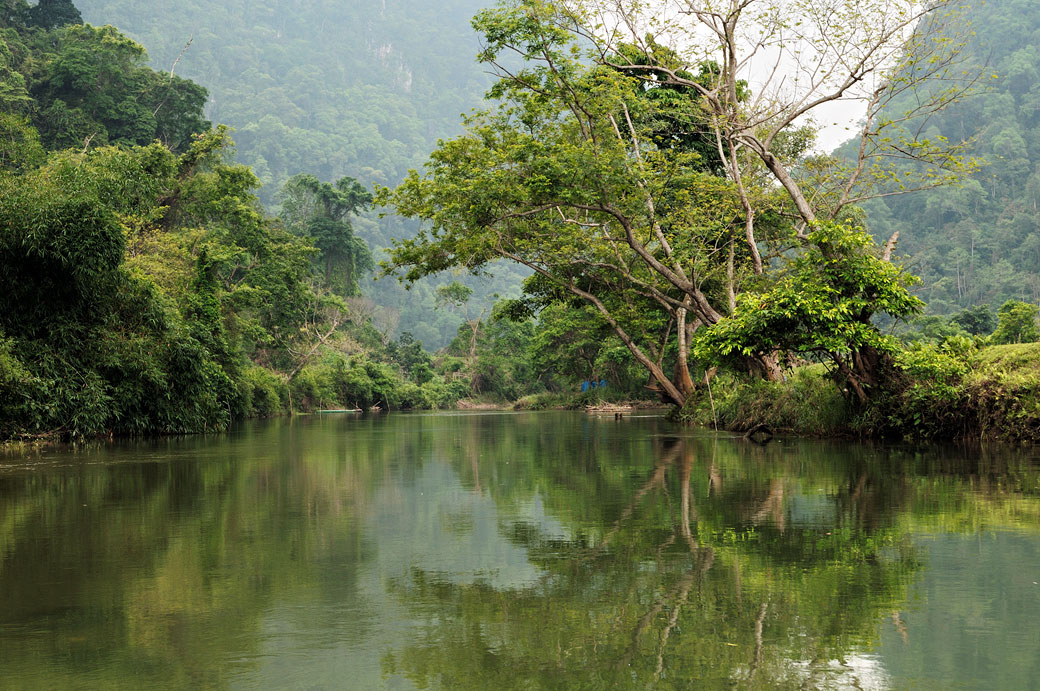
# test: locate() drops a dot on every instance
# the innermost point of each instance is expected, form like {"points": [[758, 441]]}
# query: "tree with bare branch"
{"points": [[675, 175]]}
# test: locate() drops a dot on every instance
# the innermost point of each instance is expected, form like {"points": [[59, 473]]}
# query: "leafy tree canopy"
{"points": [[1017, 322], [323, 211], [608, 193]]}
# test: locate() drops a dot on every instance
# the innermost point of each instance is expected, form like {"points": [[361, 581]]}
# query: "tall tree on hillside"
{"points": [[96, 89], [1017, 322], [50, 14], [322, 211]]}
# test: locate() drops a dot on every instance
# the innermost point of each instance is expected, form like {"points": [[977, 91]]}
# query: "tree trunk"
{"points": [[684, 381], [474, 325], [868, 364], [766, 366], [852, 380]]}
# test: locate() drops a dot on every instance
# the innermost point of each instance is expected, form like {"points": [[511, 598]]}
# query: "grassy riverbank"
{"points": [[989, 393]]}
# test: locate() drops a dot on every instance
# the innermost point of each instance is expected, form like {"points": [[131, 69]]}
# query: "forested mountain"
{"points": [[329, 88], [979, 242], [333, 88]]}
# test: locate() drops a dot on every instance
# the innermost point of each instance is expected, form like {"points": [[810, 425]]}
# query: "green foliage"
{"points": [[925, 398], [950, 391], [932, 329], [978, 243], [20, 148], [340, 380], [454, 294], [408, 353], [977, 320], [322, 212], [94, 89], [331, 89], [807, 402], [622, 191], [14, 92], [1017, 322], [51, 14], [263, 394], [145, 290], [822, 305], [138, 285], [444, 392], [573, 343], [600, 215], [106, 350]]}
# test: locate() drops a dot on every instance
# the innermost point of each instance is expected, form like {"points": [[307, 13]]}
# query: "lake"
{"points": [[516, 550]]}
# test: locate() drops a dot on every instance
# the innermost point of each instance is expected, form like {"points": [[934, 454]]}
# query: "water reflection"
{"points": [[715, 564], [505, 551]]}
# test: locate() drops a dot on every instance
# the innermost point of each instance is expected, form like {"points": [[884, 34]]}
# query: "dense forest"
{"points": [[978, 242], [162, 279], [148, 289], [363, 89], [145, 287]]}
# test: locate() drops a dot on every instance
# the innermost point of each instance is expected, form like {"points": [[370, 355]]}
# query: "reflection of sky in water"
{"points": [[972, 615], [864, 672], [450, 532], [811, 510]]}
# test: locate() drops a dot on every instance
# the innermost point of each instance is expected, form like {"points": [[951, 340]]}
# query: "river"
{"points": [[516, 550]]}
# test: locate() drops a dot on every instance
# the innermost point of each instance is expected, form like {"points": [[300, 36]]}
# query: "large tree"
{"points": [[323, 211], [50, 14], [644, 178]]}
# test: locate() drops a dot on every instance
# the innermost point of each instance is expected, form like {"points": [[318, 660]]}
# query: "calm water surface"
{"points": [[495, 551]]}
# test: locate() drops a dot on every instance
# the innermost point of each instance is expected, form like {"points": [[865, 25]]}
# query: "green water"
{"points": [[495, 551]]}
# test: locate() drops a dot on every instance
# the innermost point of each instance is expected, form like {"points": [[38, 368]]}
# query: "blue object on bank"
{"points": [[584, 386], [602, 383]]}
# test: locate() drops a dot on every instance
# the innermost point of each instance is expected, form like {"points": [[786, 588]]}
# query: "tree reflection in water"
{"points": [[514, 551], [698, 576]]}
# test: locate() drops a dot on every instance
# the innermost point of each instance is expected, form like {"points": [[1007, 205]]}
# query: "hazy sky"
{"points": [[838, 123]]}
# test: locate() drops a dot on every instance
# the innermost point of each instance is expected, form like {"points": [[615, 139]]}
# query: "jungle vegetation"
{"points": [[331, 89], [660, 188], [676, 223], [145, 288]]}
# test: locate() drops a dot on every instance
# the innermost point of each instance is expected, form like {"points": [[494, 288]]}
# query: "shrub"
{"points": [[267, 393]]}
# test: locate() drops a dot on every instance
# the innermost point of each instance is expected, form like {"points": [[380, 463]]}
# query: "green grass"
{"points": [[1003, 390], [992, 393], [1020, 357], [808, 403]]}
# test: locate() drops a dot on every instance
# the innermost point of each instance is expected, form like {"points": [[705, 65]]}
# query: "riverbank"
{"points": [[583, 401], [992, 393]]}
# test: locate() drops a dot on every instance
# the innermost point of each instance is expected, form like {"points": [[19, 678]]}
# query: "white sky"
{"points": [[837, 123]]}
